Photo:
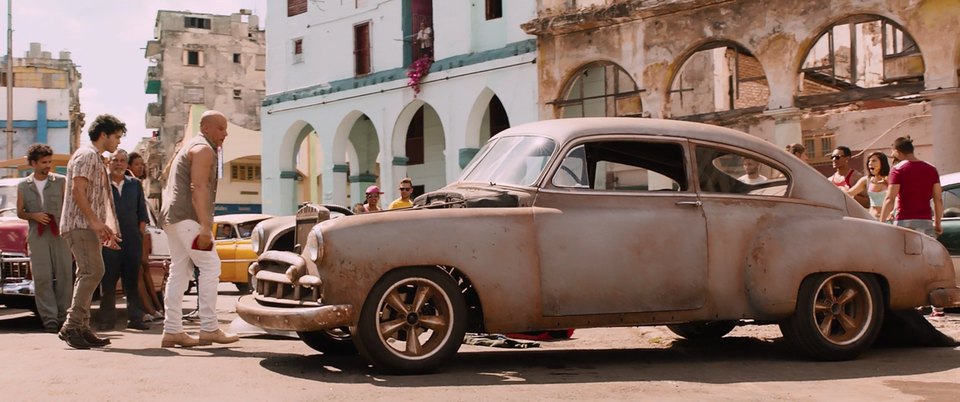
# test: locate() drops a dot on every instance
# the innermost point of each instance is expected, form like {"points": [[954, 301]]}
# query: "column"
{"points": [[945, 138], [786, 129]]}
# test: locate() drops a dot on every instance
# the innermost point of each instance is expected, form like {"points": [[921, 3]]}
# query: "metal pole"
{"points": [[9, 79]]}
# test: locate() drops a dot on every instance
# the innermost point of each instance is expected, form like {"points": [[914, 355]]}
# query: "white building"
{"points": [[338, 85], [46, 102]]}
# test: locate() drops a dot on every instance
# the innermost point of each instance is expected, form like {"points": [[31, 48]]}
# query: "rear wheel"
{"points": [[838, 316], [703, 330], [334, 342], [412, 322]]}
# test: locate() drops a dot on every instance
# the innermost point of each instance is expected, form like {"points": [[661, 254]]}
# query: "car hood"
{"points": [[13, 235], [475, 196]]}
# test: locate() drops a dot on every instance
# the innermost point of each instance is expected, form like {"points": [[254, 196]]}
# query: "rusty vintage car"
{"points": [[604, 222]]}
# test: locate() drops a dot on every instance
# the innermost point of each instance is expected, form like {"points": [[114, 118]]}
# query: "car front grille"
{"points": [[14, 267], [274, 285]]}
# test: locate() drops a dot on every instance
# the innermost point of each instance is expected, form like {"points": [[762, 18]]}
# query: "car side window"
{"points": [[623, 166], [224, 232], [727, 172]]}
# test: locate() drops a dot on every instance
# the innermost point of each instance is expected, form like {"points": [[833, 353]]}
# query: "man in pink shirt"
{"points": [[913, 184]]}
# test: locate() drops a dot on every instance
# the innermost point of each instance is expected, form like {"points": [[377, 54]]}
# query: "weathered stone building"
{"points": [[823, 72], [212, 62], [46, 102]]}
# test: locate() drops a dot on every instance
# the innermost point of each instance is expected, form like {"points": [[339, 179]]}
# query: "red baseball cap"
{"points": [[374, 190]]}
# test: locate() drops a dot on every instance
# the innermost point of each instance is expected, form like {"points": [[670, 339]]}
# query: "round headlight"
{"points": [[314, 247], [255, 238]]}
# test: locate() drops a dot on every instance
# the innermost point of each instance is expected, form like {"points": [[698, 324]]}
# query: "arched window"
{"points": [[600, 89], [718, 77], [864, 51]]}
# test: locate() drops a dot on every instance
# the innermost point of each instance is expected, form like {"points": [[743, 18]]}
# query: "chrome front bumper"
{"points": [[294, 318], [945, 297]]}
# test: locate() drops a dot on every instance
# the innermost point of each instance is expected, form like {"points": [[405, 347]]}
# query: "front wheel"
{"points": [[331, 342], [412, 322], [838, 316]]}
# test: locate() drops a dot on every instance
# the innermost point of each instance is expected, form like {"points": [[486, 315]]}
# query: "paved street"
{"points": [[752, 363]]}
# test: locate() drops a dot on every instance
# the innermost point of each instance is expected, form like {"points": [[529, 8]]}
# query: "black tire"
{"points": [[333, 342], [404, 298], [838, 316], [703, 330]]}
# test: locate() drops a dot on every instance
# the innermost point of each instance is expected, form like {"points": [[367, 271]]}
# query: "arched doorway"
{"points": [[363, 152], [422, 146]]}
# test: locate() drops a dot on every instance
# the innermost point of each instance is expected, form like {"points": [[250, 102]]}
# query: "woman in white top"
{"points": [[874, 183]]}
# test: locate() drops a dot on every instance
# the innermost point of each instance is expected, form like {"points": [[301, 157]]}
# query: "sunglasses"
{"points": [[835, 157], [405, 189]]}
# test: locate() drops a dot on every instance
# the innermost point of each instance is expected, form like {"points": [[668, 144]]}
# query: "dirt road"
{"points": [[752, 363]]}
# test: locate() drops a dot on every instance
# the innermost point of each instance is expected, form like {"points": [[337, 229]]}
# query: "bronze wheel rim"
{"points": [[843, 309], [415, 318]]}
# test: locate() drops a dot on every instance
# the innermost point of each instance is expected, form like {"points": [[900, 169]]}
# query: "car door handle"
{"points": [[696, 203]]}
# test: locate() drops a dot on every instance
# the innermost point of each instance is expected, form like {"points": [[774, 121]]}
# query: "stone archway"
{"points": [[487, 117], [599, 89], [719, 76], [419, 148], [856, 55]]}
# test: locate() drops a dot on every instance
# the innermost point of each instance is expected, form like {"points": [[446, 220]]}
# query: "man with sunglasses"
{"points": [[406, 190], [844, 176]]}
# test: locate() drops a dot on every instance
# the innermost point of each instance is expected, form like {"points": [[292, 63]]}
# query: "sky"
{"points": [[106, 39]]}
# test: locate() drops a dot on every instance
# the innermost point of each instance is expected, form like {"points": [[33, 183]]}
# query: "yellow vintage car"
{"points": [[232, 239]]}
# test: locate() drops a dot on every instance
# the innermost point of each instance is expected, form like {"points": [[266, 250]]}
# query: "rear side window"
{"points": [[728, 172], [623, 166]]}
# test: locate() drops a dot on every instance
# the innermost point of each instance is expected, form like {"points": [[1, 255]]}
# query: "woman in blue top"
{"points": [[874, 183]]}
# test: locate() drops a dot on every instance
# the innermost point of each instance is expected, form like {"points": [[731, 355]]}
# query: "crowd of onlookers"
{"points": [[373, 193]]}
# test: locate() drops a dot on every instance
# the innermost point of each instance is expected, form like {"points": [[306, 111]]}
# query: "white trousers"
{"points": [[183, 259]]}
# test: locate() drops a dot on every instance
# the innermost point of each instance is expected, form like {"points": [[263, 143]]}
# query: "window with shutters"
{"points": [[193, 58], [298, 50], [494, 9], [196, 22], [244, 172], [361, 48], [296, 7]]}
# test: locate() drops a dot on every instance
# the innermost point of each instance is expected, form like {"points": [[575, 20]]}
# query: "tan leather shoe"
{"points": [[218, 336], [182, 339]]}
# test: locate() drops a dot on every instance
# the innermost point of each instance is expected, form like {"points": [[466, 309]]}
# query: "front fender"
{"points": [[494, 247]]}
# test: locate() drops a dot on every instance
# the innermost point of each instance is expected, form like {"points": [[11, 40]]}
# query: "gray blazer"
{"points": [[52, 197]]}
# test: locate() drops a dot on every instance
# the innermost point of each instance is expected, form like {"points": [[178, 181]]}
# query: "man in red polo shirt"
{"points": [[913, 184]]}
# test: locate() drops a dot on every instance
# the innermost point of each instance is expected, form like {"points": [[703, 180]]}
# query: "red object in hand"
{"points": [[54, 227], [196, 244]]}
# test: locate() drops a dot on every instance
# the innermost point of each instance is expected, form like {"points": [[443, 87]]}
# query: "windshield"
{"points": [[510, 160]]}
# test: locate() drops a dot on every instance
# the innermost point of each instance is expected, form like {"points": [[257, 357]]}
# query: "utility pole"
{"points": [[9, 129]]}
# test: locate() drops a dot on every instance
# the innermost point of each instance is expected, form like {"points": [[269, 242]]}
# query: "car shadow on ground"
{"points": [[724, 361]]}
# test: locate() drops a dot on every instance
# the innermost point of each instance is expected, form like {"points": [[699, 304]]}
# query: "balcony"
{"points": [[154, 115], [151, 83]]}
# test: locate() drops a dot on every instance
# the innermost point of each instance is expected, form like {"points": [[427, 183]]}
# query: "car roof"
{"points": [[950, 178], [564, 130], [239, 218], [10, 182]]}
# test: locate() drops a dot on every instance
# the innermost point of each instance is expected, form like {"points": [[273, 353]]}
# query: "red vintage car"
{"points": [[15, 277]]}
